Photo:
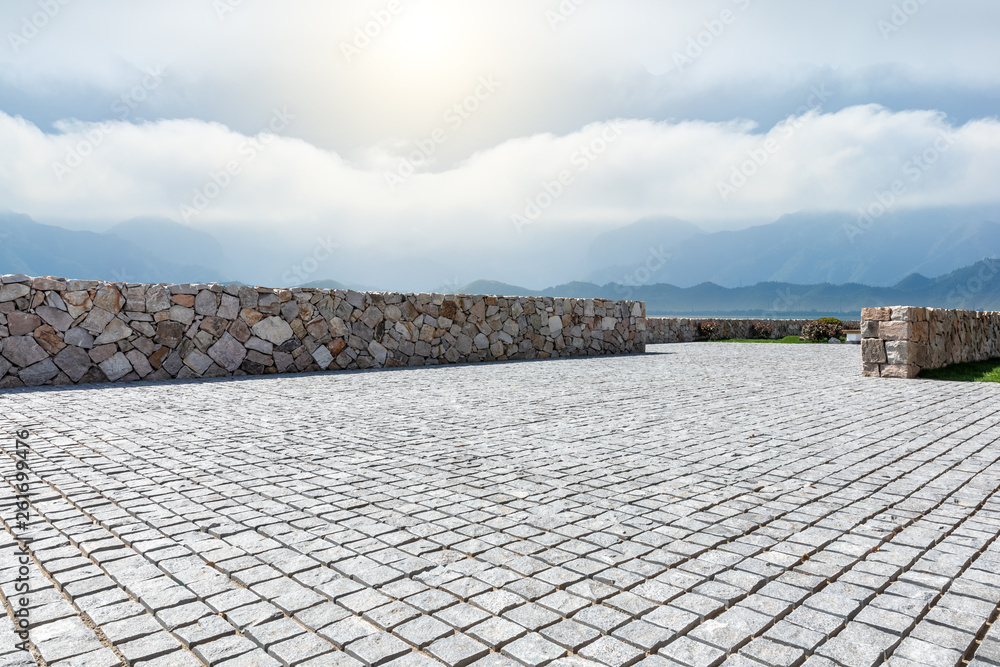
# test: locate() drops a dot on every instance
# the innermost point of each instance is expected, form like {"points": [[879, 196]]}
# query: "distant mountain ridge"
{"points": [[975, 287], [124, 253], [168, 241], [802, 248], [897, 250], [614, 254]]}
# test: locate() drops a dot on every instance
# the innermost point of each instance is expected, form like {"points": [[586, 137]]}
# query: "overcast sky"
{"points": [[453, 122]]}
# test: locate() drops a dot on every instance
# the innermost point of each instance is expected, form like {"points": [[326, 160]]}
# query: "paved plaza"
{"points": [[701, 504]]}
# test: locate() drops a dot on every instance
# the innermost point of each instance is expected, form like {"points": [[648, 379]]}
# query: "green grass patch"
{"points": [[787, 339], [974, 371]]}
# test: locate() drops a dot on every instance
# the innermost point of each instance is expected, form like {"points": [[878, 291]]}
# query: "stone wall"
{"points": [[901, 341], [682, 330], [57, 331]]}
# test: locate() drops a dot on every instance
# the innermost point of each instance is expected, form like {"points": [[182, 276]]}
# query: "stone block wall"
{"points": [[901, 341], [661, 330], [57, 331]]}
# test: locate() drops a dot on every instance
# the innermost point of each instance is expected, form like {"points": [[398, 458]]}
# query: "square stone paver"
{"points": [[761, 502]]}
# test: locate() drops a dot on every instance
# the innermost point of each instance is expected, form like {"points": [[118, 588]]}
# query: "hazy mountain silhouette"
{"points": [[805, 248], [44, 250], [174, 243], [830, 253], [975, 287]]}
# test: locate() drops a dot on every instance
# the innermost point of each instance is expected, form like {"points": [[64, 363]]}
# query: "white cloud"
{"points": [[835, 161]]}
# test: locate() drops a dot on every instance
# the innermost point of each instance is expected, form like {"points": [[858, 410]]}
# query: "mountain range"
{"points": [[974, 287], [146, 250], [829, 263], [802, 248]]}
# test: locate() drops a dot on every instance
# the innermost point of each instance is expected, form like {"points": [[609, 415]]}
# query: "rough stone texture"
{"points": [[38, 374], [116, 366], [13, 291], [23, 351], [228, 352], [74, 361], [661, 330], [901, 341], [132, 331], [60, 320], [659, 509], [19, 324]]}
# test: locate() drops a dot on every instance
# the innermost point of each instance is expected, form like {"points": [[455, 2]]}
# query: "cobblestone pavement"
{"points": [[703, 504]]}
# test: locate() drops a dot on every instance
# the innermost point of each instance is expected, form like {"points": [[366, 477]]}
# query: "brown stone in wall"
{"points": [[214, 325], [157, 357], [907, 371], [240, 331], [50, 341], [895, 330], [876, 314], [20, 324], [110, 299], [251, 317], [908, 314]]}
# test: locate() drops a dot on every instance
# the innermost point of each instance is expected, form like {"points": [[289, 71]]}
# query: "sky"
{"points": [[434, 127]]}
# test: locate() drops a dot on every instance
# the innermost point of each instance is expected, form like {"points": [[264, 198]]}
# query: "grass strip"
{"points": [[973, 371], [795, 340]]}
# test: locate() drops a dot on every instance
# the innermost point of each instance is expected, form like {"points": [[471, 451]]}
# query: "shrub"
{"points": [[830, 320], [761, 330], [820, 330], [708, 330]]}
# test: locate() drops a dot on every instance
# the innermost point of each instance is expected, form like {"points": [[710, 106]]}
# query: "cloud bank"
{"points": [[611, 173]]}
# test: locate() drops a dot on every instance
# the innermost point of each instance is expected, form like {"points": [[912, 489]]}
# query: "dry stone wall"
{"points": [[901, 341], [57, 331], [683, 330]]}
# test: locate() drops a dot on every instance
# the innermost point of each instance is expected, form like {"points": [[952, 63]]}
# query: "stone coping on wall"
{"points": [[901, 341], [58, 331]]}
